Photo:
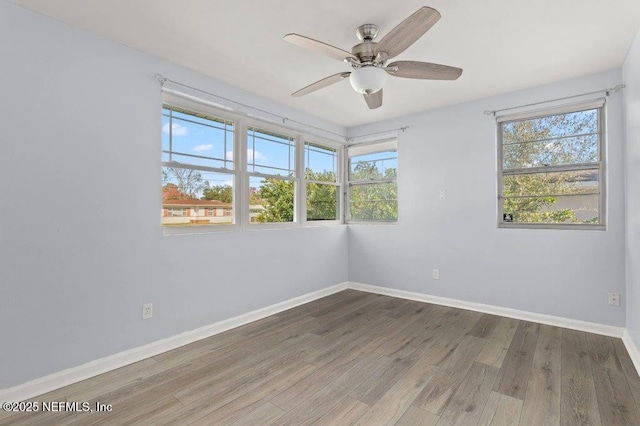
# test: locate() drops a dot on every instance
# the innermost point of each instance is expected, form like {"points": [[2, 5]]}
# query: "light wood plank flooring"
{"points": [[360, 358]]}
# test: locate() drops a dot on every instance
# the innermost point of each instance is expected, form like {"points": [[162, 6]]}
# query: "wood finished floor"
{"points": [[360, 358]]}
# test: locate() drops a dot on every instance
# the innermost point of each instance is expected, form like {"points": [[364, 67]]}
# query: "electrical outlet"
{"points": [[147, 311], [435, 274], [442, 194], [614, 299]]}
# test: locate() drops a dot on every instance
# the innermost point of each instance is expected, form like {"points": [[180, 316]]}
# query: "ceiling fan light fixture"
{"points": [[368, 79]]}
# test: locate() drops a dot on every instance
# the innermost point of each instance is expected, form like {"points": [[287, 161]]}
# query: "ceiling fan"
{"points": [[369, 58]]}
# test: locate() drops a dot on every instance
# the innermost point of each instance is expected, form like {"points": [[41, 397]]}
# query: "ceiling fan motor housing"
{"points": [[367, 32]]}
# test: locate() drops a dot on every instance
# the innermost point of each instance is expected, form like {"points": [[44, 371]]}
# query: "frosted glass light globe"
{"points": [[368, 79]]}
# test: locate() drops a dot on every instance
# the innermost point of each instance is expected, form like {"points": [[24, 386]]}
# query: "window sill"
{"points": [[367, 222], [177, 231], [560, 227]]}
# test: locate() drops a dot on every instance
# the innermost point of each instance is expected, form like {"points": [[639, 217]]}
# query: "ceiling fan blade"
{"points": [[328, 81], [374, 100], [408, 31], [319, 47], [424, 70]]}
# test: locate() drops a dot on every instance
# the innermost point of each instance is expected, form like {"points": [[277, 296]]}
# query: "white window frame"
{"points": [[196, 107], [258, 125], [363, 149], [338, 184], [600, 165], [241, 175]]}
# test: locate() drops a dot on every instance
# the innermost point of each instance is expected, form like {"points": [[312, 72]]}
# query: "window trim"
{"points": [[600, 165], [241, 211]]}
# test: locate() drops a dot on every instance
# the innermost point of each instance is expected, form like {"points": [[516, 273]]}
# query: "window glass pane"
{"points": [[322, 201], [553, 126], [555, 183], [196, 198], [270, 153], [379, 165], [321, 163], [552, 143], [559, 209], [190, 138], [374, 201], [563, 151], [270, 200]]}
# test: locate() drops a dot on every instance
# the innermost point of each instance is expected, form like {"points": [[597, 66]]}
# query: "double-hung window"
{"points": [[551, 168], [322, 182], [373, 189], [271, 167], [199, 170], [222, 171]]}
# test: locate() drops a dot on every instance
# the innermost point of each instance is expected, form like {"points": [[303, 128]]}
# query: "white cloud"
{"points": [[259, 157], [176, 129], [256, 156], [200, 148]]}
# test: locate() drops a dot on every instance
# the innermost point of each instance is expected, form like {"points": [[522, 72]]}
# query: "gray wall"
{"points": [[631, 74], [80, 240], [565, 273]]}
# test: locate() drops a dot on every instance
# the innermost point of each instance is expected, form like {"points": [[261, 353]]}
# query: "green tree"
{"points": [[222, 193], [543, 142], [276, 197], [322, 198], [376, 200]]}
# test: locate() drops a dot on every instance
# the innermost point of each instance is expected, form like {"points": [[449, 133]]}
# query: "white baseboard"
{"points": [[85, 371], [72, 375], [634, 351], [606, 330]]}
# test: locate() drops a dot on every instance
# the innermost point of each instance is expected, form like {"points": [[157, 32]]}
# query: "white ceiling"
{"points": [[502, 45]]}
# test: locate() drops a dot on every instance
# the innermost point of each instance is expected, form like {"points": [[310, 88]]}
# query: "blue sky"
{"points": [[210, 143]]}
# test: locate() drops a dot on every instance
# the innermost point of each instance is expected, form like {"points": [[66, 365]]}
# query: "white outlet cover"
{"points": [[442, 194], [147, 311], [435, 274]]}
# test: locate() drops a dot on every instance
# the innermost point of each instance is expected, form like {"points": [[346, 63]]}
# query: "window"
{"points": [[373, 190], [551, 169], [175, 212], [198, 173], [221, 168], [271, 167], [322, 182]]}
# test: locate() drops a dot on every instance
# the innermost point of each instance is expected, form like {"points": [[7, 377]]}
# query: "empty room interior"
{"points": [[283, 213]]}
